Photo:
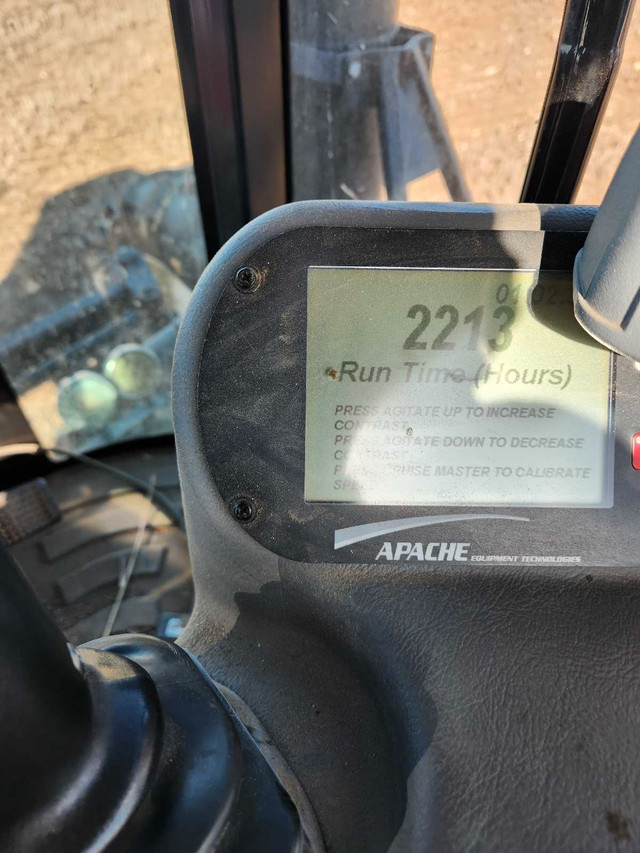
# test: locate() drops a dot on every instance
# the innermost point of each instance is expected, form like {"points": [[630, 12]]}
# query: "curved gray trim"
{"points": [[274, 758], [351, 535], [433, 215], [203, 504]]}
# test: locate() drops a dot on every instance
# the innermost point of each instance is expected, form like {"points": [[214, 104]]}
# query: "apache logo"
{"points": [[419, 551], [432, 552]]}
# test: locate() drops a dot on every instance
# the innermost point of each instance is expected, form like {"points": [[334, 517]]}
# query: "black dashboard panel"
{"points": [[251, 411]]}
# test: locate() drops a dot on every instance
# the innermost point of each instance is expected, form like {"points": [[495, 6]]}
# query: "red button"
{"points": [[635, 451]]}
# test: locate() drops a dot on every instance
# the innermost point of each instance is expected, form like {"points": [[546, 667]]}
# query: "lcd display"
{"points": [[453, 387]]}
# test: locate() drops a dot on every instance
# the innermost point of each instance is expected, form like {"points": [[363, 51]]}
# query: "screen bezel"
{"points": [[252, 381]]}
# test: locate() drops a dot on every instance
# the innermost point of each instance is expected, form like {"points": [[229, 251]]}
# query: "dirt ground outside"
{"points": [[91, 88]]}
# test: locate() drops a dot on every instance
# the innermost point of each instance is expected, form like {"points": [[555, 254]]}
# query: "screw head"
{"points": [[247, 279], [243, 510]]}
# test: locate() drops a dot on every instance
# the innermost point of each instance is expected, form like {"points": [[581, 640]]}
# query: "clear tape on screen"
{"points": [[453, 387]]}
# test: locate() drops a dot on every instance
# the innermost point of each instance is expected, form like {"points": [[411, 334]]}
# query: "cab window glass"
{"points": [[619, 123], [433, 101], [102, 239]]}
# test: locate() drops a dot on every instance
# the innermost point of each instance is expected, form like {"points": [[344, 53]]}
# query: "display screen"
{"points": [[453, 387]]}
